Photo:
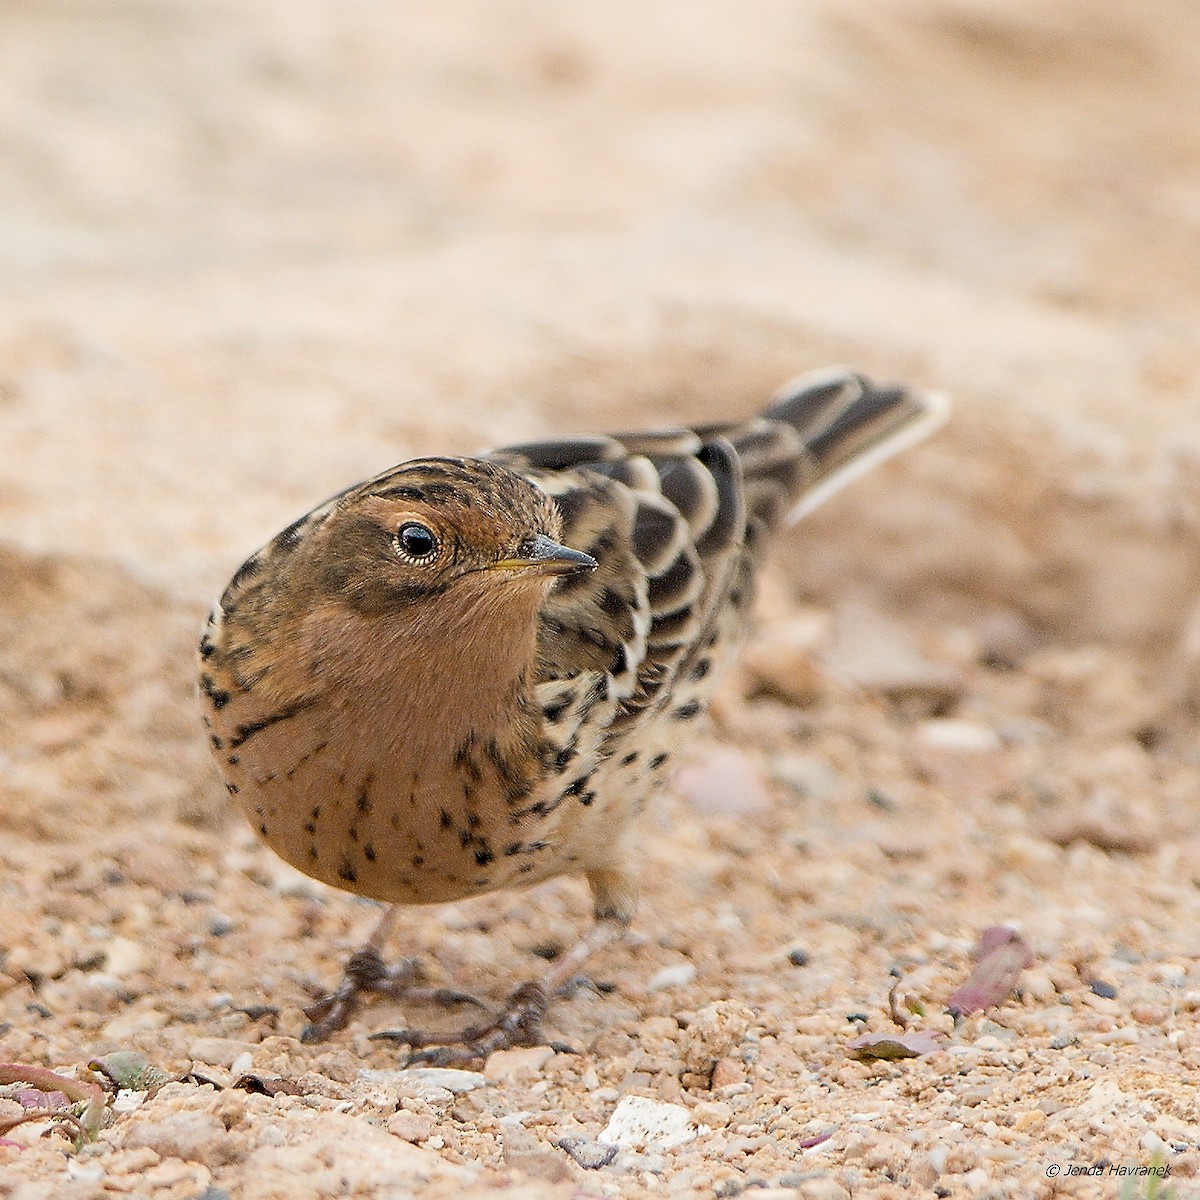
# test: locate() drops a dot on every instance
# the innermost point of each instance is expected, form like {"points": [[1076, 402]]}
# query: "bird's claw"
{"points": [[519, 1023], [366, 972]]}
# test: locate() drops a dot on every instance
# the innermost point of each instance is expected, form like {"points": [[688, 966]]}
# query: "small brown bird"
{"points": [[468, 674]]}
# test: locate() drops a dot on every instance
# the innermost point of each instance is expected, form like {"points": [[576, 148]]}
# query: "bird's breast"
{"points": [[400, 816]]}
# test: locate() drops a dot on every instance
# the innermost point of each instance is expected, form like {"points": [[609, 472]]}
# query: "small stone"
{"points": [[714, 1033], [517, 1066], [122, 957], [1153, 1144], [410, 1126], [591, 1156], [1148, 1014], [642, 1123], [1172, 973], [957, 737], [728, 1073], [659, 1027], [823, 1187], [523, 1152], [130, 1071], [886, 1152], [977, 1179], [1005, 640], [1124, 1035], [1038, 985], [219, 1052], [193, 1136], [1107, 830], [450, 1078], [716, 1114], [677, 975]]}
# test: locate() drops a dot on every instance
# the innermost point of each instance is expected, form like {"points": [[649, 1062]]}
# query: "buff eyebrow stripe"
{"points": [[245, 732]]}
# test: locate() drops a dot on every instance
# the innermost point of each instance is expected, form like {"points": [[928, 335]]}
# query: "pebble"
{"points": [[728, 1073], [714, 1033], [716, 1114], [957, 737], [1124, 1035], [450, 1078], [677, 975], [193, 1136], [123, 956], [410, 1126], [1148, 1014], [641, 1123], [822, 1188], [976, 1180], [517, 1066], [523, 1152], [403, 1083], [591, 1156], [1169, 972], [1038, 984], [219, 1052]]}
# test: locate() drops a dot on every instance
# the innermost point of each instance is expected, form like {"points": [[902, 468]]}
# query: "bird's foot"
{"points": [[519, 1023], [367, 972]]}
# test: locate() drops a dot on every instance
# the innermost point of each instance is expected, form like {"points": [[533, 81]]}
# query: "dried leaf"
{"points": [[892, 1046], [816, 1140], [48, 1096], [1000, 957]]}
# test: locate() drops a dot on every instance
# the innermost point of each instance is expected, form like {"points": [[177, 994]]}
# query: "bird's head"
{"points": [[455, 533]]}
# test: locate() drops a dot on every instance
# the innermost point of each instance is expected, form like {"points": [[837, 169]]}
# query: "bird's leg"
{"points": [[367, 972], [519, 1022]]}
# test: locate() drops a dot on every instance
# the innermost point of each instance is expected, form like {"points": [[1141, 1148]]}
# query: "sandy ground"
{"points": [[250, 253]]}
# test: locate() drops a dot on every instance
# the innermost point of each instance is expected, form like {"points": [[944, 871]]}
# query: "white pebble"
{"points": [[639, 1122], [123, 956], [977, 1179], [957, 737], [678, 975]]}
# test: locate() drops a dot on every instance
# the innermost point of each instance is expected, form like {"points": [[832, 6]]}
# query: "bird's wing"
{"points": [[663, 516]]}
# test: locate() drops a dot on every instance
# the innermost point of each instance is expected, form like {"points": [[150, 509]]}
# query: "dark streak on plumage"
{"points": [[245, 732]]}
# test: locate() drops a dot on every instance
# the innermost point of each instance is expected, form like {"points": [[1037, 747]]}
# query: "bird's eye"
{"points": [[416, 542]]}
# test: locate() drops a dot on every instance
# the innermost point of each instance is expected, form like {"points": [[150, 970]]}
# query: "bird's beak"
{"points": [[544, 556]]}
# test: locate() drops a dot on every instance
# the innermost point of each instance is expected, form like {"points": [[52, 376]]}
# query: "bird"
{"points": [[467, 674]]}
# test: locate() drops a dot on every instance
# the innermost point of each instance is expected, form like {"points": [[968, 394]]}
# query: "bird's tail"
{"points": [[821, 431]]}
